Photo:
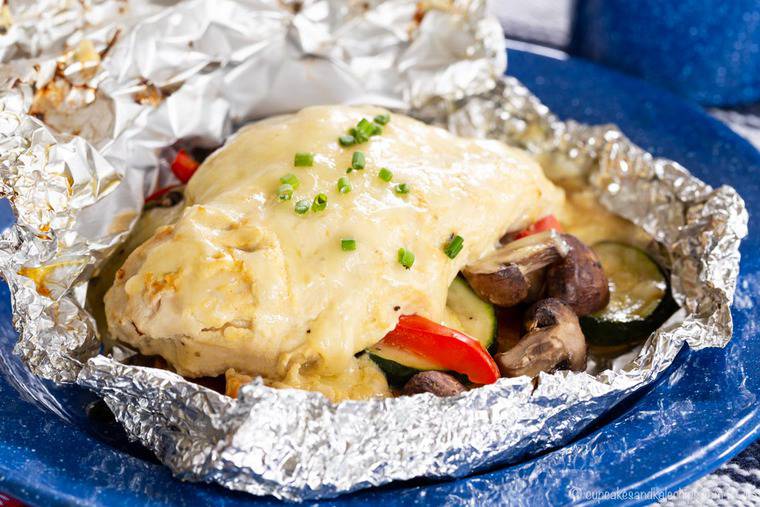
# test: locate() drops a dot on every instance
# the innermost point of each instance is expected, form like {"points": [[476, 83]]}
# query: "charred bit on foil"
{"points": [[53, 95]]}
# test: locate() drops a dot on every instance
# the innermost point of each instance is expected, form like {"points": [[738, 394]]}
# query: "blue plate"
{"points": [[698, 414]]}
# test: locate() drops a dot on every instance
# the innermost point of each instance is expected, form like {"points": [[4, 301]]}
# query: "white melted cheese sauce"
{"points": [[242, 281]]}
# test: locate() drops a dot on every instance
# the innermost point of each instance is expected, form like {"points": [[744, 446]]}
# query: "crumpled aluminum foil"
{"points": [[97, 89]]}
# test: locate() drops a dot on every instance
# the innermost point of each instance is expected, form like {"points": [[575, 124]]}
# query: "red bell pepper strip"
{"points": [[447, 347], [159, 194], [184, 166], [549, 222]]}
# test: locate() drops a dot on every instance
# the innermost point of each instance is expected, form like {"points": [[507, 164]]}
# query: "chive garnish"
{"points": [[364, 130], [290, 179], [402, 188], [359, 136], [302, 206], [405, 257], [320, 202], [357, 160], [454, 246], [344, 186], [385, 174], [348, 245], [303, 159], [285, 192], [347, 140]]}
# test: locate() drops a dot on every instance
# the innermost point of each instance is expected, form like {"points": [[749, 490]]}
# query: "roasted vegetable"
{"points": [[578, 279], [165, 197], [184, 166], [515, 273], [400, 365], [548, 223], [554, 341], [640, 299], [506, 277], [477, 318], [434, 382], [439, 346]]}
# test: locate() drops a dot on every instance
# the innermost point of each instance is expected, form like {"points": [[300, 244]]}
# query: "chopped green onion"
{"points": [[454, 246], [402, 188], [349, 170], [359, 136], [344, 186], [290, 179], [347, 140], [364, 127], [368, 128], [348, 245], [385, 174], [302, 206], [364, 130], [382, 119], [405, 257], [320, 202], [285, 192], [303, 159], [357, 160]]}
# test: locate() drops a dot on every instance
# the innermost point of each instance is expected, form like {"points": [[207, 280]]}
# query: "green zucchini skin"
{"points": [[604, 331], [478, 317], [395, 373], [607, 333]]}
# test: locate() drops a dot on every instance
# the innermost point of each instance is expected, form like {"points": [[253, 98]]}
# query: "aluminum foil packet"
{"points": [[96, 90]]}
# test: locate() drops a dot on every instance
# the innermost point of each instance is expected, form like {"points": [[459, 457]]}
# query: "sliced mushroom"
{"points": [[434, 382], [536, 284], [514, 272], [507, 286], [578, 279], [554, 340]]}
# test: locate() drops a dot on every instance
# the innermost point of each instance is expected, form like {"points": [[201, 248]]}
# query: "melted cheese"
{"points": [[241, 281]]}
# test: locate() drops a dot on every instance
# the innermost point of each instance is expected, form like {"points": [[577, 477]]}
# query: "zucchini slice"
{"points": [[399, 366], [478, 317], [465, 311], [640, 298]]}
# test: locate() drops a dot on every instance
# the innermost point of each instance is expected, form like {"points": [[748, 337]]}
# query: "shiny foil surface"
{"points": [[96, 91]]}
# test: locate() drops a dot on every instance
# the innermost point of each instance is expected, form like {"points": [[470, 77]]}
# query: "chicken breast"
{"points": [[242, 281]]}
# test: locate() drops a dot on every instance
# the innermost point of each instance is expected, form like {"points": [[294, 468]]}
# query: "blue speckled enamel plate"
{"points": [[699, 414]]}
